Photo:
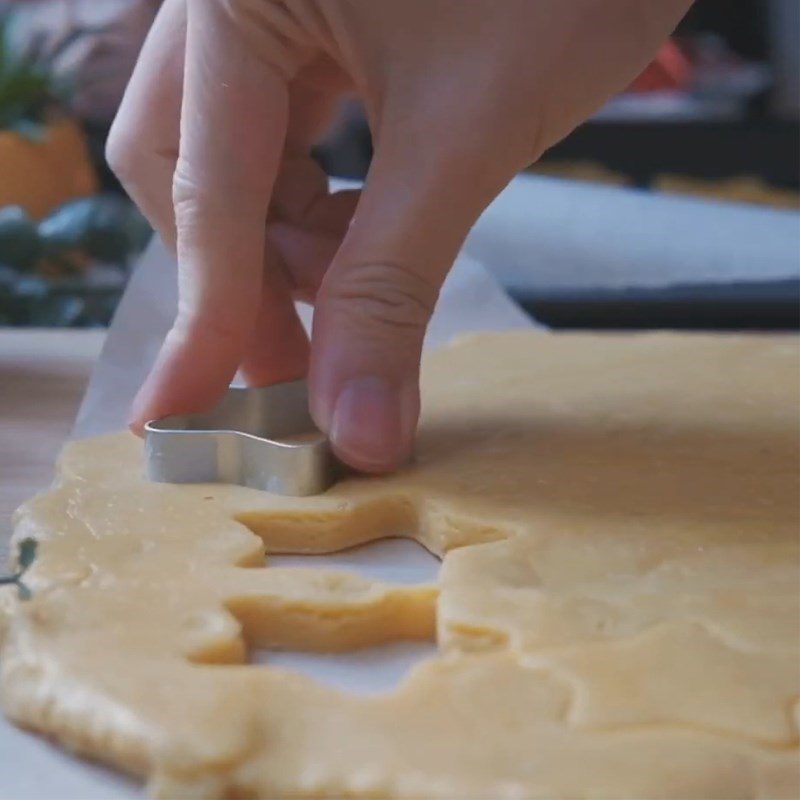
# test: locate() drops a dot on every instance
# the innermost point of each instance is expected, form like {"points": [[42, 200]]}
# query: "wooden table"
{"points": [[43, 374]]}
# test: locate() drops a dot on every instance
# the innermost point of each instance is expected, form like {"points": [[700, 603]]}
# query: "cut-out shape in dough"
{"points": [[364, 670], [389, 560], [369, 670]]}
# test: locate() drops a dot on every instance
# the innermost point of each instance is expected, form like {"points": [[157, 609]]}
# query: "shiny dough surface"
{"points": [[616, 614]]}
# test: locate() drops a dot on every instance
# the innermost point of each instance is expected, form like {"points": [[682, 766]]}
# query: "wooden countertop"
{"points": [[43, 374]]}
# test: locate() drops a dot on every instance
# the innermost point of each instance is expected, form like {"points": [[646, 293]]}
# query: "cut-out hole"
{"points": [[323, 531], [338, 647], [390, 560], [369, 670]]}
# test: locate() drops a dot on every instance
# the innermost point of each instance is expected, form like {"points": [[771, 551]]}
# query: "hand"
{"points": [[213, 138]]}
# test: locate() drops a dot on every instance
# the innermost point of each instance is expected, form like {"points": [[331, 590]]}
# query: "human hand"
{"points": [[213, 138]]}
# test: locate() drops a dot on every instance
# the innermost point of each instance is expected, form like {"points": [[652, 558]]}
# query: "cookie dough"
{"points": [[616, 616]]}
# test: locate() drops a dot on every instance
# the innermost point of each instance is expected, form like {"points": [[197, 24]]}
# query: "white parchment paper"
{"points": [[470, 300]]}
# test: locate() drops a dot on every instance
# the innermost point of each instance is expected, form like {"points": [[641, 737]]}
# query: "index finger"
{"points": [[233, 126]]}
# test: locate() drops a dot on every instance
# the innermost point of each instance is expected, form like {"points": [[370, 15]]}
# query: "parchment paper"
{"points": [[470, 300]]}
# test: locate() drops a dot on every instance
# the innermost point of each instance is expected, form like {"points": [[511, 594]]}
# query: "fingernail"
{"points": [[372, 424], [136, 413]]}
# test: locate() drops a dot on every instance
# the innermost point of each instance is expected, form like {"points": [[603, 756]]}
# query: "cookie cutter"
{"points": [[263, 438]]}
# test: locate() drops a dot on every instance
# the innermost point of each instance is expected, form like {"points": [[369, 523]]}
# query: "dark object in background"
{"points": [[20, 243], [105, 228], [764, 305], [70, 269], [767, 149], [77, 301], [742, 24]]}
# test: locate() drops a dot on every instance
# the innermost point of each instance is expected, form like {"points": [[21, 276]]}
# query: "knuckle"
{"points": [[272, 33], [192, 205], [185, 191], [388, 296], [123, 155], [205, 188]]}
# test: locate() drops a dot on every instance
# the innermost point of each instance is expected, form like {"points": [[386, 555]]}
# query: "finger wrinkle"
{"points": [[390, 294], [272, 36]]}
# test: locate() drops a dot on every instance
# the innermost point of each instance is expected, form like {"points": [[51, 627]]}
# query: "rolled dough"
{"points": [[617, 611]]}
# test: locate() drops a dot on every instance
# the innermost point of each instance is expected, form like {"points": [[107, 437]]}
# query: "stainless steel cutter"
{"points": [[263, 438]]}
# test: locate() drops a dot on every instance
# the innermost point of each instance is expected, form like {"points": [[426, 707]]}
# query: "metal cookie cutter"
{"points": [[263, 438]]}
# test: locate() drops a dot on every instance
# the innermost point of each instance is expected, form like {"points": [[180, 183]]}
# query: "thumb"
{"points": [[377, 298]]}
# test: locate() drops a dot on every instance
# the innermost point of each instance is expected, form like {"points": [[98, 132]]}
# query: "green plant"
{"points": [[29, 88], [25, 557], [69, 267]]}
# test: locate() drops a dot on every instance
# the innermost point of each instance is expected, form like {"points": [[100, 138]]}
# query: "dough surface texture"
{"points": [[616, 614]]}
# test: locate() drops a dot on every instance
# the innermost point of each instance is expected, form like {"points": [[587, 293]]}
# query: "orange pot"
{"points": [[42, 175]]}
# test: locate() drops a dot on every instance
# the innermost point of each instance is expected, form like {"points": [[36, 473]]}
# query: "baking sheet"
{"points": [[33, 769]]}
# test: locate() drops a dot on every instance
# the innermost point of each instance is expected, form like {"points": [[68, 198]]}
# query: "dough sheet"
{"points": [[617, 613]]}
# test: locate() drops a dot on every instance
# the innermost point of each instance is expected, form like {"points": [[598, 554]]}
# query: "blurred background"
{"points": [[715, 117]]}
